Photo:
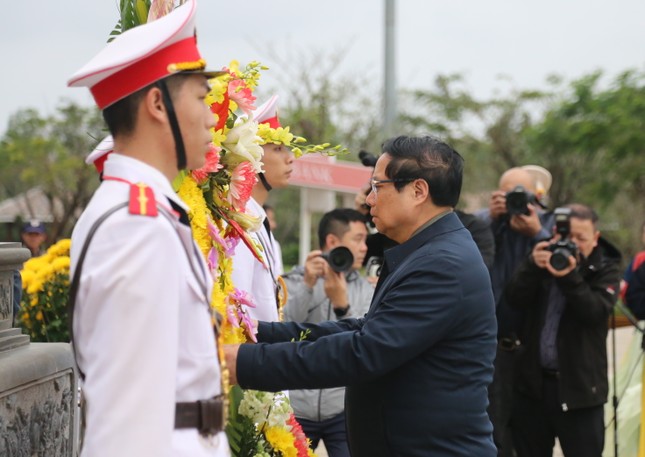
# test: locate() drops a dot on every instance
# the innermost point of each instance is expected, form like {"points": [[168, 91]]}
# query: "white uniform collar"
{"points": [[134, 170]]}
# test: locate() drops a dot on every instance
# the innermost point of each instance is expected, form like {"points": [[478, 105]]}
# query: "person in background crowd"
{"points": [[634, 264], [562, 382], [418, 364], [317, 293], [33, 236], [635, 294], [515, 232]]}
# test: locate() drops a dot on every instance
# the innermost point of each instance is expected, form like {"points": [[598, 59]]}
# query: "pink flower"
{"points": [[212, 165], [213, 261], [228, 243], [239, 299], [241, 94], [242, 181], [243, 298]]}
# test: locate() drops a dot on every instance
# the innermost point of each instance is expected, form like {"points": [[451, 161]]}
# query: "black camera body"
{"points": [[518, 199], [340, 259], [564, 247]]}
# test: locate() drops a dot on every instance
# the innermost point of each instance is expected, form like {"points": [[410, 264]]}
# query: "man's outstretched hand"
{"points": [[230, 356]]}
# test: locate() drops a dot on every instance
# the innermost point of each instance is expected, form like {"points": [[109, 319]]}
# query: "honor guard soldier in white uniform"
{"points": [[260, 279], [143, 333]]}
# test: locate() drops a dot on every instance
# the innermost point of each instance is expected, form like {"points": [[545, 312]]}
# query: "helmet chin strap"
{"points": [[180, 150], [264, 182]]}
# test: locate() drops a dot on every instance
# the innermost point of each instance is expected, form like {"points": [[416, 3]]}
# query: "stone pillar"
{"points": [[38, 382]]}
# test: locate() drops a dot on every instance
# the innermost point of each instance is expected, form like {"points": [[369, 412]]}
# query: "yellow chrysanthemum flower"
{"points": [[35, 286], [61, 264], [281, 440]]}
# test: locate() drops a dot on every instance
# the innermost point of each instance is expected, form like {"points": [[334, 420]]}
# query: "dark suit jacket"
{"points": [[417, 366]]}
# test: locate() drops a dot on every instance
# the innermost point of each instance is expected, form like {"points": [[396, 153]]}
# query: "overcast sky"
{"points": [[44, 42]]}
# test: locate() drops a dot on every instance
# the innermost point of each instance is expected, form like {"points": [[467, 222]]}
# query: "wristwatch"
{"points": [[340, 312]]}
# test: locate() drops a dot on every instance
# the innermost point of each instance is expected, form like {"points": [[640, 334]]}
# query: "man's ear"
{"points": [[421, 190], [331, 241], [152, 104]]}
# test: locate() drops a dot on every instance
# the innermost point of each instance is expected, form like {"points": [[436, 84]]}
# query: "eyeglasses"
{"points": [[374, 183]]}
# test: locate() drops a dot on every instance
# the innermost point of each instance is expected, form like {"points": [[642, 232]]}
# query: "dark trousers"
{"points": [[332, 431], [500, 398], [536, 424]]}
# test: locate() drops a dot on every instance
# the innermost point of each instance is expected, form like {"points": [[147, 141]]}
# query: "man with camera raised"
{"points": [[517, 219], [567, 287], [329, 287]]}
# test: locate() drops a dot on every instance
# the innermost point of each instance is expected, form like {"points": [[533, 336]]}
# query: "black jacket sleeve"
{"points": [[635, 296]]}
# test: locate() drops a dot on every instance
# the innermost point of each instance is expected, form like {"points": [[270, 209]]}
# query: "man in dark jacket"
{"points": [[418, 365], [562, 369]]}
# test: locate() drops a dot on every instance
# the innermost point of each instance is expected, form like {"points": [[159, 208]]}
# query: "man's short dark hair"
{"points": [[336, 222], [584, 212], [430, 159], [121, 117]]}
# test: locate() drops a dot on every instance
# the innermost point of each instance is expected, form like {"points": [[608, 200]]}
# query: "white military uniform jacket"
{"points": [[142, 327], [257, 278]]}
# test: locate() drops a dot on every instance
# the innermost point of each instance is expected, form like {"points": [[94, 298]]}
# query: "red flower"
{"points": [[221, 111], [300, 439]]}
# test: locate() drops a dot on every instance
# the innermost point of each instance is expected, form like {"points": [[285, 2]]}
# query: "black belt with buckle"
{"points": [[207, 416]]}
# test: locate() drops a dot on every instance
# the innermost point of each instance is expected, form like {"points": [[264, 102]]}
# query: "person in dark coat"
{"points": [[635, 295], [418, 364], [562, 369]]}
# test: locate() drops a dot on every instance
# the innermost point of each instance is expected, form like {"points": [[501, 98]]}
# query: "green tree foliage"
{"points": [[593, 141], [487, 132], [49, 152]]}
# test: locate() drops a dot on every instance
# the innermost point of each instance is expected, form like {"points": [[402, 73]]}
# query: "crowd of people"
{"points": [[446, 333]]}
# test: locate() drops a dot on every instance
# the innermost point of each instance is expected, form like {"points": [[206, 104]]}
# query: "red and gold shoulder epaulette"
{"points": [[142, 200]]}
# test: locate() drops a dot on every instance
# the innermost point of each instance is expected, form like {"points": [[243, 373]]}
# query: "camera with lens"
{"points": [[564, 247], [518, 199], [340, 259]]}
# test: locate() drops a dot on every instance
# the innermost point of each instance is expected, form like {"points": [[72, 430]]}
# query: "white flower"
{"points": [[256, 406], [243, 144]]}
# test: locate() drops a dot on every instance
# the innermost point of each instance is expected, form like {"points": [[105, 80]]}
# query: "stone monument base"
{"points": [[38, 401]]}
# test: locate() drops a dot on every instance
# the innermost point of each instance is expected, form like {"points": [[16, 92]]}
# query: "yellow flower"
{"points": [[45, 273], [60, 249], [219, 87], [27, 276], [61, 264], [219, 136], [281, 440], [192, 195], [35, 286], [39, 316]]}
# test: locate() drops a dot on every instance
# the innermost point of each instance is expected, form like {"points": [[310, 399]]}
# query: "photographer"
{"points": [[567, 287], [517, 221], [318, 293]]}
